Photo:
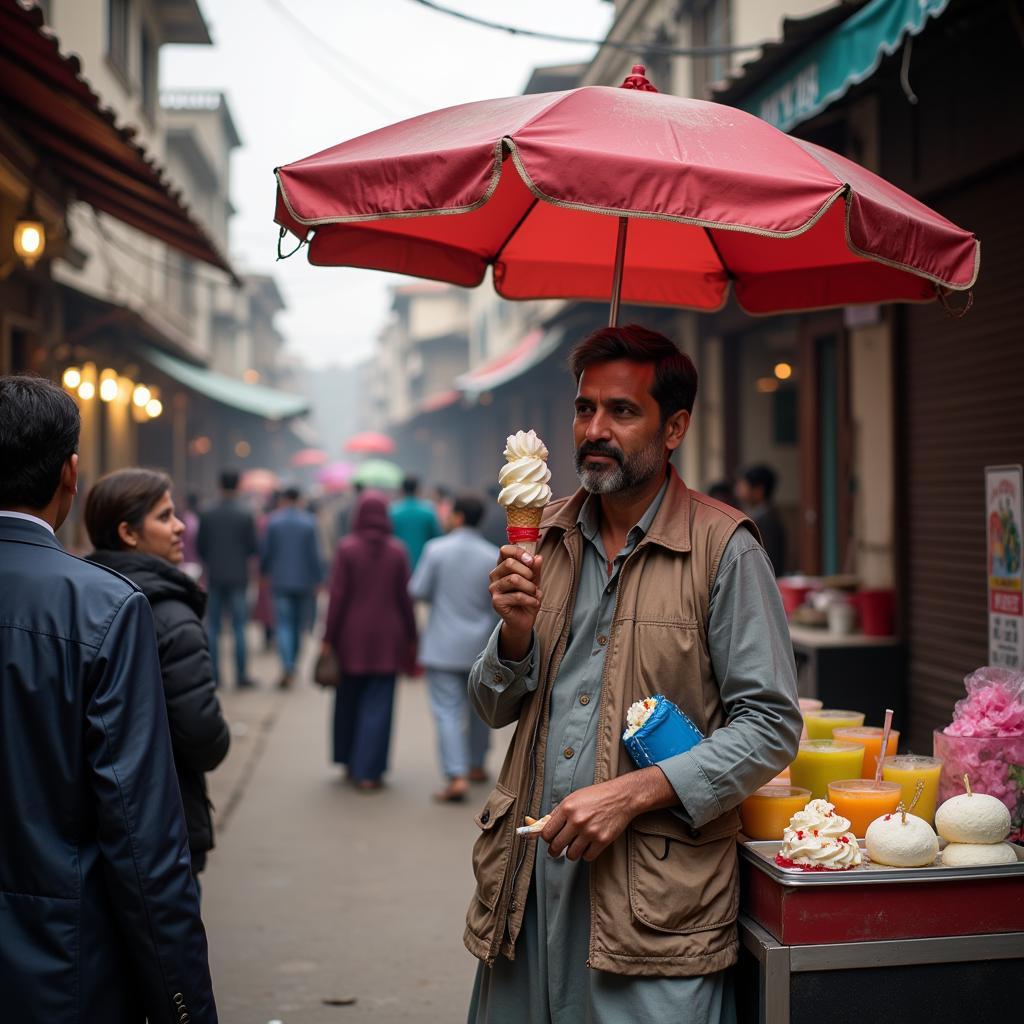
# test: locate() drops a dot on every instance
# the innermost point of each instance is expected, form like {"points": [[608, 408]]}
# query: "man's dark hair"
{"points": [[124, 496], [410, 485], [229, 480], [675, 376], [39, 428], [763, 477], [291, 493], [470, 507]]}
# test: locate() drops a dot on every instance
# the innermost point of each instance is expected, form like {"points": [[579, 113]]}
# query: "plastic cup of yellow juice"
{"points": [[821, 723], [766, 812], [819, 762], [863, 800], [908, 770]]}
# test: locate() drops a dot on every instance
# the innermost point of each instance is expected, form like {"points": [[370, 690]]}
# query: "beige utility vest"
{"points": [[664, 896]]}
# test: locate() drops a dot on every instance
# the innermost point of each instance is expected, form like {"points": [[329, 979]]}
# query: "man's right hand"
{"points": [[515, 596]]}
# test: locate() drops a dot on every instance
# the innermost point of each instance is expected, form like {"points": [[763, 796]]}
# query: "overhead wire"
{"points": [[333, 61], [616, 44]]}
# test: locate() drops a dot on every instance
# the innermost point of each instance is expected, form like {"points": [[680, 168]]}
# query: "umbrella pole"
{"points": [[620, 259]]}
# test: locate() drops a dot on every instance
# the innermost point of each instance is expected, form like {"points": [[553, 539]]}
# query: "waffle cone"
{"points": [[523, 516]]}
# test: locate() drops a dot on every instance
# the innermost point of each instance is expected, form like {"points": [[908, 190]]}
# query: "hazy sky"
{"points": [[356, 66]]}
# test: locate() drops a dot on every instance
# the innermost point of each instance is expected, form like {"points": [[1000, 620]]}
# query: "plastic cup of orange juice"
{"points": [[863, 800], [870, 738], [766, 812]]}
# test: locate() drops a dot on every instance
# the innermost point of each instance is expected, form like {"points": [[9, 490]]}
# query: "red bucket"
{"points": [[876, 609], [793, 593]]}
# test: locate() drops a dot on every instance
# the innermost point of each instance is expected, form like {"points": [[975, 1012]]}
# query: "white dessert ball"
{"points": [[896, 844], [977, 855], [974, 818]]}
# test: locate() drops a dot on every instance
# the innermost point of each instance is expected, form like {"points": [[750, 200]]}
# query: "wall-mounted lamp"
{"points": [[29, 239], [108, 385]]}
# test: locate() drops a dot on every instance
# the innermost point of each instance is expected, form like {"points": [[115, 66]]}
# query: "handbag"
{"points": [[327, 671]]}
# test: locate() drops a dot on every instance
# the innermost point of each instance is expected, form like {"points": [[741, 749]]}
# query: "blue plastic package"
{"points": [[666, 732]]}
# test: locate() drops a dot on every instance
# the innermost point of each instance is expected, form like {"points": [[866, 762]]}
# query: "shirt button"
{"points": [[602, 639], [584, 699], [568, 752]]}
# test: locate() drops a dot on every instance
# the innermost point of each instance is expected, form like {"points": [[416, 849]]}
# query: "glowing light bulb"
{"points": [[72, 378], [154, 407], [86, 390], [29, 241], [141, 395], [783, 371], [108, 390]]}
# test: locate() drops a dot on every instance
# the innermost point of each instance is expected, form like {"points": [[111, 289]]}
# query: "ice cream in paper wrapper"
{"points": [[656, 729], [524, 487]]}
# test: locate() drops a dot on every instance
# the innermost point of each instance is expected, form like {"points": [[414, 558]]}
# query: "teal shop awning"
{"points": [[267, 403], [829, 67]]}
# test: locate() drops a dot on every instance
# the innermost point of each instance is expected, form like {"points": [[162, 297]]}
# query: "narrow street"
{"points": [[317, 894]]}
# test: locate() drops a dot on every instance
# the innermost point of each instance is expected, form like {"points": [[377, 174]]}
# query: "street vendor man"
{"points": [[624, 908]]}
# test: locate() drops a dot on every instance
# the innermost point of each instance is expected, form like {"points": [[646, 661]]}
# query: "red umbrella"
{"points": [[259, 481], [541, 187], [309, 457], [370, 443]]}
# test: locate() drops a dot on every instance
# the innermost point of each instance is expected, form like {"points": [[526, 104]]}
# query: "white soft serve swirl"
{"points": [[525, 475], [802, 846]]}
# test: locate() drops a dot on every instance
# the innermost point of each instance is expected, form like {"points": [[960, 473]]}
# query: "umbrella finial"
{"points": [[637, 79]]}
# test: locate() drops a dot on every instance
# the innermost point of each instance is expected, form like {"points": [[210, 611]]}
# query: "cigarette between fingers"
{"points": [[533, 826]]}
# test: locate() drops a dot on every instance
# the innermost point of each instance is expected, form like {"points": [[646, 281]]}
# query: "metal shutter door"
{"points": [[963, 399]]}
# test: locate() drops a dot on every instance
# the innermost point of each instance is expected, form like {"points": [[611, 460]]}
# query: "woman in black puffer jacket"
{"points": [[131, 522]]}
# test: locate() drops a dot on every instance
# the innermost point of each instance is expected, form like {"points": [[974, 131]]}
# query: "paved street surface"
{"points": [[317, 892]]}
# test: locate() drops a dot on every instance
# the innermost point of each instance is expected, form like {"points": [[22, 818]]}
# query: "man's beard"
{"points": [[629, 471]]}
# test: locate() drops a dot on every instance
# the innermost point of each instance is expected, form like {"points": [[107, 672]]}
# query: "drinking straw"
{"points": [[886, 729]]}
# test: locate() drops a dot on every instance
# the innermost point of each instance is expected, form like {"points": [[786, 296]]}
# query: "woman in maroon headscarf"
{"points": [[371, 627]]}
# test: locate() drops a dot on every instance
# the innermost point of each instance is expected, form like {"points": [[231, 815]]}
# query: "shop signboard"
{"points": [[1003, 498]]}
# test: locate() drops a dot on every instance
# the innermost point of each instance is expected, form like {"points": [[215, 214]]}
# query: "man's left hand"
{"points": [[589, 820]]}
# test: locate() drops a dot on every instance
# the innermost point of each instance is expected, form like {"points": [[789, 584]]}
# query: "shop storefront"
{"points": [[912, 402]]}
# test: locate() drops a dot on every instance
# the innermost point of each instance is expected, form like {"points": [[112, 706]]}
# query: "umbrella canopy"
{"points": [[536, 187], [378, 473], [309, 457], [370, 443], [259, 481], [336, 476]]}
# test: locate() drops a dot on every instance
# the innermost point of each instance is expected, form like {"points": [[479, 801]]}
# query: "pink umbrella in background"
{"points": [[309, 457], [259, 481], [336, 476], [370, 443]]}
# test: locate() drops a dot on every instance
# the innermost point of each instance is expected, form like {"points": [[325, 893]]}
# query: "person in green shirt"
{"points": [[413, 520]]}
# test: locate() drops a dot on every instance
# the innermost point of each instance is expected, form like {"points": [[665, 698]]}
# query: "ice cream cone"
{"points": [[517, 518]]}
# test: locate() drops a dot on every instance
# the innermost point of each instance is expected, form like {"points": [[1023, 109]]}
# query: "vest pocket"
{"points": [[683, 879], [492, 848]]}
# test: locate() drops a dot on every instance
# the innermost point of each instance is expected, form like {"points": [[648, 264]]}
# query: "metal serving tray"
{"points": [[761, 854], [872, 903]]}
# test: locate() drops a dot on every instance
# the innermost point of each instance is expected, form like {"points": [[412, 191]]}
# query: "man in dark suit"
{"points": [[290, 557], [226, 542], [99, 915]]}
